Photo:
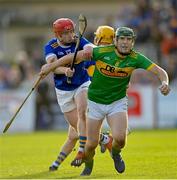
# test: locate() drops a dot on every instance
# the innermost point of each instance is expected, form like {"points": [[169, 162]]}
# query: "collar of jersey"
{"points": [[115, 50], [63, 46]]}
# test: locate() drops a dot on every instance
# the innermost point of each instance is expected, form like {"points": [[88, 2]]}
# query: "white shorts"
{"points": [[66, 98], [100, 111]]}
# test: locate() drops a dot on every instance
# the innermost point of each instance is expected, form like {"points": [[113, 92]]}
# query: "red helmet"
{"points": [[63, 24]]}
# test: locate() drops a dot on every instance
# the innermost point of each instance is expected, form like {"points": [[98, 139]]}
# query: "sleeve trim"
{"points": [[50, 55], [151, 66]]}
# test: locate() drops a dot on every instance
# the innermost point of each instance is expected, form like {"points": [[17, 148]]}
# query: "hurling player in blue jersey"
{"points": [[63, 44], [72, 97]]}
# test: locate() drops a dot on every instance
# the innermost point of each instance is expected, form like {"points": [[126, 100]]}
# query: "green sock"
{"points": [[115, 151], [89, 163]]}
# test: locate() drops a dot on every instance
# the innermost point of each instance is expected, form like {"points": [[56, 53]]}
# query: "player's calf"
{"points": [[57, 162]]}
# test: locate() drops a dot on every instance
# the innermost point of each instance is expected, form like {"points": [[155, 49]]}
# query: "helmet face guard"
{"points": [[104, 34], [62, 25]]}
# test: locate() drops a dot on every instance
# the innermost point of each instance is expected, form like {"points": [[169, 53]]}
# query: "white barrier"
{"points": [[167, 110], [9, 102], [147, 109], [142, 107]]}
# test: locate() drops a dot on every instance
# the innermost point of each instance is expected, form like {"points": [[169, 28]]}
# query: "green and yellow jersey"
{"points": [[112, 74]]}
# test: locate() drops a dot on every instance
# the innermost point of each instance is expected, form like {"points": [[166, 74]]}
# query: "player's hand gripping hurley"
{"points": [[12, 119], [82, 27]]}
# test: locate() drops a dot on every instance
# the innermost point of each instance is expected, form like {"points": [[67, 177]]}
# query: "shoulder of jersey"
{"points": [[53, 43], [105, 49], [133, 54]]}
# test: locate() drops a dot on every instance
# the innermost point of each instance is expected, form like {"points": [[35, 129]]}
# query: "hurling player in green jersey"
{"points": [[107, 91]]}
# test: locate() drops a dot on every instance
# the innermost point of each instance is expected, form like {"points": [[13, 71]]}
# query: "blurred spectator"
{"points": [[169, 42], [14, 77], [44, 112], [37, 60], [170, 63], [3, 80], [25, 65]]}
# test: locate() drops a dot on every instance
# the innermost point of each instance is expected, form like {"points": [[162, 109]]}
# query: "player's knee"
{"points": [[82, 113], [120, 140], [73, 138], [121, 143], [73, 125], [91, 146]]}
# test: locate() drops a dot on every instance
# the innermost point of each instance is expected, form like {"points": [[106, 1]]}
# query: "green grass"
{"points": [[148, 155]]}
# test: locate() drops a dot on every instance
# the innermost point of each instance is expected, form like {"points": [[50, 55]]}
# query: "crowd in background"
{"points": [[155, 25], [21, 68]]}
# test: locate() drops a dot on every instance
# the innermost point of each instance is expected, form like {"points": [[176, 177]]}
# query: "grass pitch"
{"points": [[148, 155]]}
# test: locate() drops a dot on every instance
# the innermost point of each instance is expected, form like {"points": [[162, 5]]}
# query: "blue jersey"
{"points": [[89, 63], [80, 76]]}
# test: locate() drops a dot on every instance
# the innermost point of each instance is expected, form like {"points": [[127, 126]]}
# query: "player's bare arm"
{"points": [[163, 77], [65, 60], [60, 70], [88, 49]]}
